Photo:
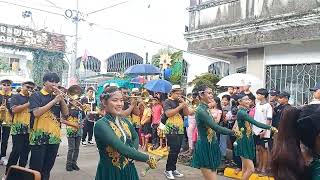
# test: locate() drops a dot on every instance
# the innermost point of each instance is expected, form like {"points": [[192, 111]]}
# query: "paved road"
{"points": [[88, 160]]}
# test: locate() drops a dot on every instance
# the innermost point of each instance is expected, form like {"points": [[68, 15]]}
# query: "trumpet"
{"points": [[3, 110], [73, 93], [187, 99]]}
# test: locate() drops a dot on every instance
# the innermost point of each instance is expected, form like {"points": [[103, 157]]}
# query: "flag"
{"points": [[85, 56]]}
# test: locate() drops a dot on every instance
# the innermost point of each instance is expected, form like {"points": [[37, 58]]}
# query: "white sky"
{"points": [[164, 21]]}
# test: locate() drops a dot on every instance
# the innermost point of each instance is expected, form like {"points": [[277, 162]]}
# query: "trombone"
{"points": [[73, 93]]}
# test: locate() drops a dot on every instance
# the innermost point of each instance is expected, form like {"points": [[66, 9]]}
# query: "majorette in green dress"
{"points": [[117, 142], [207, 152], [245, 146]]}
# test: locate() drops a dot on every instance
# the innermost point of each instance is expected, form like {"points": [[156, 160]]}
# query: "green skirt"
{"points": [[206, 155], [129, 172], [245, 147]]}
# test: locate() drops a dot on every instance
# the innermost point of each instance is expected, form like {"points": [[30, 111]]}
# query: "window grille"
{"points": [[296, 79]]}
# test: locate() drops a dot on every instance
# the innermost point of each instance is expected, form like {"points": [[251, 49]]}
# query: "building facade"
{"points": [[276, 40]]}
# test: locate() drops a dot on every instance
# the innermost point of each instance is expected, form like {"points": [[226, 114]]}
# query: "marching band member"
{"points": [[5, 117], [117, 141], [207, 154], [46, 106], [90, 117], [175, 108], [74, 134], [20, 130]]}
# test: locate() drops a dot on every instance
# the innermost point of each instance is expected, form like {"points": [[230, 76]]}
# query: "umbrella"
{"points": [[239, 79], [158, 85], [138, 80], [142, 69]]}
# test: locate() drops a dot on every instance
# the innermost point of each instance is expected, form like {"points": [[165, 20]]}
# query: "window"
{"points": [[296, 79], [14, 63], [219, 68]]}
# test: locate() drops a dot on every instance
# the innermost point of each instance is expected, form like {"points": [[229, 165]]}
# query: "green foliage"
{"points": [[155, 60], [44, 61], [4, 64], [207, 79]]}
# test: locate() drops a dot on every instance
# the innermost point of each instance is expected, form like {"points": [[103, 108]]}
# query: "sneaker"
{"points": [[84, 143], [169, 175], [176, 173], [69, 168], [4, 161], [90, 143], [75, 167]]}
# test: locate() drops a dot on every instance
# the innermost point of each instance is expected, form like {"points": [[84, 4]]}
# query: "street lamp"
{"points": [[26, 14]]}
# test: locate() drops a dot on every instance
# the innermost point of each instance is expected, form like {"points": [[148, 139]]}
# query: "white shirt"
{"points": [[262, 114]]}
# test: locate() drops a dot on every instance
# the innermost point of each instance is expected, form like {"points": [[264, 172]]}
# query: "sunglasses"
{"points": [[6, 84]]}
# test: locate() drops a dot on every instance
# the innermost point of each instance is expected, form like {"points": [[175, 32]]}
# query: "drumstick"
{"points": [[144, 173]]}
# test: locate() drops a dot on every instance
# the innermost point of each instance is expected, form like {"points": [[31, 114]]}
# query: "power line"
{"points": [[154, 42], [37, 9], [108, 7], [50, 2]]}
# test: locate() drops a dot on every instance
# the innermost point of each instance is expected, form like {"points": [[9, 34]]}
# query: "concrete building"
{"points": [[276, 40]]}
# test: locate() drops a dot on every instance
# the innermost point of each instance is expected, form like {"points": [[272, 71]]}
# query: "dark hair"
{"points": [[29, 83], [251, 97], [263, 92], [308, 125], [200, 89], [51, 77], [108, 92], [287, 161], [218, 102], [296, 125], [226, 96]]}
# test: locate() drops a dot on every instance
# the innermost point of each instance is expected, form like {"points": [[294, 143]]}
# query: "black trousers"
{"points": [[87, 130], [20, 150], [155, 137], [4, 139], [42, 158], [174, 142]]}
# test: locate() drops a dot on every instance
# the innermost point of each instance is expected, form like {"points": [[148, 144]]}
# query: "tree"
{"points": [[4, 64], [207, 79]]}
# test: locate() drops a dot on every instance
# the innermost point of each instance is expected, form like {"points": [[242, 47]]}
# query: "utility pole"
{"points": [[73, 63]]}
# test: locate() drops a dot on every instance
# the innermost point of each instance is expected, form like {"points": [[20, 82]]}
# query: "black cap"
{"points": [[6, 81], [316, 87], [240, 96], [29, 82], [273, 92], [284, 94]]}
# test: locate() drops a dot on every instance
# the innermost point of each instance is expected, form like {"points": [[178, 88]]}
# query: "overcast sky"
{"points": [[159, 20]]}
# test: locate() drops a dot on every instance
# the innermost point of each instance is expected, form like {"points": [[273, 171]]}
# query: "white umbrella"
{"points": [[239, 79]]}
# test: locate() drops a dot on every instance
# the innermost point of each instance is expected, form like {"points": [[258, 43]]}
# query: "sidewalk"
{"points": [[88, 160]]}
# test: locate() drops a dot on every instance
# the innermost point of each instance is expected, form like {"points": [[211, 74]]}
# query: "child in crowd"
{"points": [[263, 114], [157, 110], [146, 124], [252, 109]]}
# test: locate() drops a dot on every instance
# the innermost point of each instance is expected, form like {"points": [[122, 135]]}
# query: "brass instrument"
{"points": [[73, 93], [3, 110]]}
